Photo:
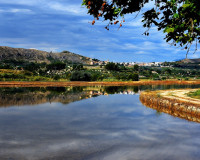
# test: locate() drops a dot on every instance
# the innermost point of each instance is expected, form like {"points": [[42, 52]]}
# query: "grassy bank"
{"points": [[195, 94]]}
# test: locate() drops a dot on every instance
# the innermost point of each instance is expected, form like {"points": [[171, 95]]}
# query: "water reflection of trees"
{"points": [[65, 95]]}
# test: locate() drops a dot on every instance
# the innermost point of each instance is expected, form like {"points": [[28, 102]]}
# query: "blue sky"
{"points": [[64, 25]]}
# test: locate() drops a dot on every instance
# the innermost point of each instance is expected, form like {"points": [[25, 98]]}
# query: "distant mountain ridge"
{"points": [[197, 60], [33, 55]]}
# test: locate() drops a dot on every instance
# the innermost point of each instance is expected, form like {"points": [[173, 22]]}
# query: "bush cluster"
{"points": [[81, 76], [127, 76], [86, 76]]}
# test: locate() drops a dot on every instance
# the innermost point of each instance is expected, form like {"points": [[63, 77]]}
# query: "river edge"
{"points": [[175, 102], [83, 83], [177, 95]]}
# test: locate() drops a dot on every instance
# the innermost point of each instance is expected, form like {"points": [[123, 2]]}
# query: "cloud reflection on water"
{"points": [[114, 127]]}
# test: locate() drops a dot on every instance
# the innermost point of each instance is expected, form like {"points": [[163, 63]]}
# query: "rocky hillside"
{"points": [[33, 55]]}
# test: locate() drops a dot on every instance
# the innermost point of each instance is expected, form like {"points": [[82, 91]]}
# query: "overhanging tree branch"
{"points": [[178, 19]]}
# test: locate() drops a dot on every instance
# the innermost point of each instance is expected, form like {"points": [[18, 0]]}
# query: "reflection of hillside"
{"points": [[65, 95], [29, 96], [34, 96], [38, 98], [185, 112]]}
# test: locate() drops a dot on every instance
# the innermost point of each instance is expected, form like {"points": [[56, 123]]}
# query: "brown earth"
{"points": [[180, 95]]}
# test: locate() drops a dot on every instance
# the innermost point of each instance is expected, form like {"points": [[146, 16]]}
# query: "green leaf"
{"points": [[117, 10], [185, 5], [176, 15], [84, 3], [182, 25], [168, 30]]}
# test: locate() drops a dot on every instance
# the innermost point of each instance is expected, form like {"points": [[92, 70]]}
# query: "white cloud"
{"points": [[129, 46], [194, 55], [71, 8], [71, 30], [135, 23], [23, 2], [16, 10], [48, 6]]}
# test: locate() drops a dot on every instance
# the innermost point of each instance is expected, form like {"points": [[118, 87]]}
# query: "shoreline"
{"points": [[174, 102], [83, 83]]}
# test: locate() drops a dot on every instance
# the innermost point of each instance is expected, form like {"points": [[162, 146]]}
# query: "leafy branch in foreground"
{"points": [[179, 19]]}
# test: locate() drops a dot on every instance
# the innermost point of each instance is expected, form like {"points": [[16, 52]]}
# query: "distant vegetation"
{"points": [[33, 65], [62, 71]]}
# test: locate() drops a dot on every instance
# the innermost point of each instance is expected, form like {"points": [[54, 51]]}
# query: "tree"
{"points": [[78, 67], [32, 66], [136, 67], [80, 76], [134, 77], [178, 19], [56, 66], [112, 66]]}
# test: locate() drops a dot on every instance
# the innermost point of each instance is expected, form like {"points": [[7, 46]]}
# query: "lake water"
{"points": [[91, 123]]}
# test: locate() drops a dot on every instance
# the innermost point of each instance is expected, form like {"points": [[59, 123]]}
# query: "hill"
{"points": [[197, 60], [33, 55]]}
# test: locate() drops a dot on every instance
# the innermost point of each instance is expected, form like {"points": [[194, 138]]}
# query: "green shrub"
{"points": [[56, 77], [39, 78], [155, 77], [112, 66], [27, 73], [121, 76], [78, 67], [186, 79], [133, 77], [95, 76], [56, 66], [136, 67], [81, 76], [164, 78]]}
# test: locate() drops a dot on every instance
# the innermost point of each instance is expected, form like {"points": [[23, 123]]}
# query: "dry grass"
{"points": [[65, 84]]}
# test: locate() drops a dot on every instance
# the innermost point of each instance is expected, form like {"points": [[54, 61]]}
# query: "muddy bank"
{"points": [[173, 102], [65, 84]]}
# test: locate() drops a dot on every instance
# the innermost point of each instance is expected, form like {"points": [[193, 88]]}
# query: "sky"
{"points": [[57, 25]]}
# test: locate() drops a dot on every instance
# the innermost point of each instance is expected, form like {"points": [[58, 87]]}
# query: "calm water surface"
{"points": [[91, 123]]}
